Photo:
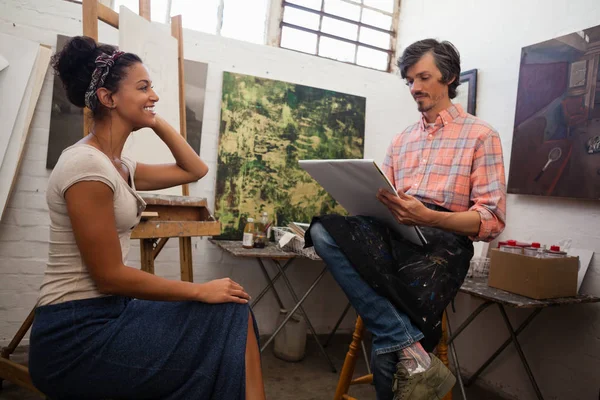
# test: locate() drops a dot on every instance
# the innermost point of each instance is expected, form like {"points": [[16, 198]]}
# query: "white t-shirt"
{"points": [[66, 277]]}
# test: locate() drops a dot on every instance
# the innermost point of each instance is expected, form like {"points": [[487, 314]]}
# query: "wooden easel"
{"points": [[165, 216]]}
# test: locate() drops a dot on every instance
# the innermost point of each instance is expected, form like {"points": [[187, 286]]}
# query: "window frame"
{"points": [[393, 31]]}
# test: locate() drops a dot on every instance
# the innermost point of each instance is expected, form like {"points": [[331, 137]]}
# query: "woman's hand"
{"points": [[222, 291], [406, 209]]}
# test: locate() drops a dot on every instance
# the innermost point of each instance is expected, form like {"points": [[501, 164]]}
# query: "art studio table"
{"points": [[479, 288], [277, 256]]}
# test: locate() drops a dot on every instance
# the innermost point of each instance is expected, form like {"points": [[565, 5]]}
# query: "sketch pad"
{"points": [[354, 184]]}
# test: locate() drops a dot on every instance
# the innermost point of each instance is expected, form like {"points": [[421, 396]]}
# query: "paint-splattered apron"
{"points": [[419, 280]]}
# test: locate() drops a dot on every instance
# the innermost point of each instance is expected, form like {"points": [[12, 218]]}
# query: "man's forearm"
{"points": [[464, 223]]}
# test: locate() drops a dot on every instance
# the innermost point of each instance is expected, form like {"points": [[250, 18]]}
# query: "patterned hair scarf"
{"points": [[104, 62]]}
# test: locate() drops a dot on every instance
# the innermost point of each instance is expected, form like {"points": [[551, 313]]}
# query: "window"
{"points": [[238, 19], [360, 32]]}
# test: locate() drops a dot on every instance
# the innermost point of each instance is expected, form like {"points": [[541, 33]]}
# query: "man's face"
{"points": [[424, 81]]}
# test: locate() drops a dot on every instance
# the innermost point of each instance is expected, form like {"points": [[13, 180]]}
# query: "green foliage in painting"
{"points": [[266, 127]]}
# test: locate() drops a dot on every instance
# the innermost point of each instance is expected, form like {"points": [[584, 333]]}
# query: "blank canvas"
{"points": [[16, 145], [20, 54], [158, 50]]}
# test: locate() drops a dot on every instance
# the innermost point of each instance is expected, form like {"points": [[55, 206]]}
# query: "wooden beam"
{"points": [[18, 374], [90, 18], [147, 255], [185, 259], [170, 200], [159, 229], [177, 33], [145, 9], [108, 15], [90, 28], [160, 243]]}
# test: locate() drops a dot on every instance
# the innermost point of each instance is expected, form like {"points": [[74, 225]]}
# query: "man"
{"points": [[448, 171]]}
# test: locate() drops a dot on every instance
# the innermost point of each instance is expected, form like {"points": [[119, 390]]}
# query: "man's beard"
{"points": [[422, 107]]}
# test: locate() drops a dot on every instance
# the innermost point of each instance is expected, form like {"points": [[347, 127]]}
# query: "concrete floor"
{"points": [[309, 379]]}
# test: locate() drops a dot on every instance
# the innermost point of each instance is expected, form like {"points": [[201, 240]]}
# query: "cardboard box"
{"points": [[538, 278]]}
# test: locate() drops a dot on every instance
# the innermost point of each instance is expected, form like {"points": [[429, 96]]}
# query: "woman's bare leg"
{"points": [[255, 388]]}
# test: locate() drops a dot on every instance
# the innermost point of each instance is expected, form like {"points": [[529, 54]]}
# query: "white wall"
{"points": [[23, 233], [562, 345]]}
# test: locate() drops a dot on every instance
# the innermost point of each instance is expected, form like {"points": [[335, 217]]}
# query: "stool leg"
{"points": [[442, 348], [349, 361]]}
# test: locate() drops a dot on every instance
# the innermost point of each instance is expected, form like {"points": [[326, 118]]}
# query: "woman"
{"points": [[103, 329]]}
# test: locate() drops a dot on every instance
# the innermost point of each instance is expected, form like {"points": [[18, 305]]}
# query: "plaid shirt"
{"points": [[456, 164]]}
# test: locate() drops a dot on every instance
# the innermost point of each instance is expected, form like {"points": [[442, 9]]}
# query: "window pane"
{"points": [[133, 5], [342, 9], [245, 20], [372, 58], [375, 38], [314, 4], [158, 11], [377, 19], [336, 49], [339, 28], [384, 5], [197, 15], [298, 40], [301, 18]]}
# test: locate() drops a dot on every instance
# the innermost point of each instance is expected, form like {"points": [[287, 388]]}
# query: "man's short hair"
{"points": [[446, 57]]}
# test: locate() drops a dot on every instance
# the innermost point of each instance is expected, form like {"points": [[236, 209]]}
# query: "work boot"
{"points": [[431, 384]]}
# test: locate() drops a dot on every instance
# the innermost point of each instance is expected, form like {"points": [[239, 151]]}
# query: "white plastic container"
{"points": [[290, 342], [511, 249], [534, 250], [554, 252]]}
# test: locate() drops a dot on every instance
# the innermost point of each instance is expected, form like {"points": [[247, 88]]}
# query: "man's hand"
{"points": [[406, 209], [222, 291]]}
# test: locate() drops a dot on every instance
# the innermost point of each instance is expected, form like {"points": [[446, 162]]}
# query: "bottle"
{"points": [[248, 238], [264, 221], [533, 250], [555, 252], [511, 247]]}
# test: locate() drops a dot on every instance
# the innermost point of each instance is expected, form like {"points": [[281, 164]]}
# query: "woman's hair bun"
{"points": [[75, 64]]}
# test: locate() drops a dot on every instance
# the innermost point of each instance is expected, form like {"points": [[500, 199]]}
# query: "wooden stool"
{"points": [[341, 392]]}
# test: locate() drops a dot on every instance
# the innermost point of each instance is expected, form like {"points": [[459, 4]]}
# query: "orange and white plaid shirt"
{"points": [[457, 164]]}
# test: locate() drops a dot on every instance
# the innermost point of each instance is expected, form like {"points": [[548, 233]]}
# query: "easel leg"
{"points": [[185, 259], [147, 256], [10, 370]]}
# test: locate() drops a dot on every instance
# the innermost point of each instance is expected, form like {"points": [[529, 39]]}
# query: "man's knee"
{"points": [[319, 235]]}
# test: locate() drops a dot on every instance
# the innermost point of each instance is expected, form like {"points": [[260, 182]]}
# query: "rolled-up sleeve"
{"points": [[488, 188], [388, 164]]}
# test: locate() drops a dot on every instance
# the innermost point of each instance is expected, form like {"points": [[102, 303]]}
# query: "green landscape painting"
{"points": [[266, 127]]}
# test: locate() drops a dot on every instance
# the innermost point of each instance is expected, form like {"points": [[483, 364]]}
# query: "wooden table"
{"points": [[181, 217], [276, 256], [479, 288]]}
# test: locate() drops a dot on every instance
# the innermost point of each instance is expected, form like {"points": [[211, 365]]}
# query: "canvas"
{"points": [[266, 127], [195, 92], [9, 168], [21, 55], [66, 120], [153, 43], [556, 140]]}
